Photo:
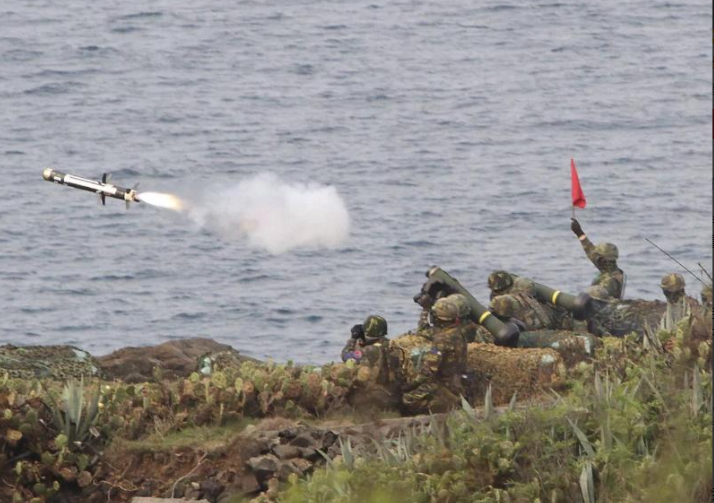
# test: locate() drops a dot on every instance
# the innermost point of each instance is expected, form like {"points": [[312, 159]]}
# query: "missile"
{"points": [[103, 188]]}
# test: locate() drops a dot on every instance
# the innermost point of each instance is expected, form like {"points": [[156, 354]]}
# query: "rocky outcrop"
{"points": [[173, 359]]}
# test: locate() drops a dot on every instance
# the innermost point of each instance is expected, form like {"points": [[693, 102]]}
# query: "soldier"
{"points": [[372, 331], [500, 283], [435, 381], [523, 307], [378, 379], [678, 302], [604, 256]]}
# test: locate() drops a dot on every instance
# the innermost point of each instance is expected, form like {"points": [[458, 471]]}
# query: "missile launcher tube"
{"points": [[580, 305], [505, 334]]}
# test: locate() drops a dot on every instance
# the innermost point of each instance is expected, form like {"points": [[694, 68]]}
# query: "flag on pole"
{"points": [[577, 191]]}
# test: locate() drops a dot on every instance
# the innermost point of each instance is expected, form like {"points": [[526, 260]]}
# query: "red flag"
{"points": [[577, 191]]}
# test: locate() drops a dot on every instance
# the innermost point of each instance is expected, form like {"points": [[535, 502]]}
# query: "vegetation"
{"points": [[633, 425]]}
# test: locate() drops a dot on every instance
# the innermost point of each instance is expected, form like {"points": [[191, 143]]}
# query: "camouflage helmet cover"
{"points": [[521, 284], [452, 307], [707, 294], [499, 281], [673, 283], [599, 292], [375, 326], [504, 305], [606, 251]]}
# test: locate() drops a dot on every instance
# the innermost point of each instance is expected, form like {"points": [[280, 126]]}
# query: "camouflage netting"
{"points": [[508, 370], [47, 362], [573, 347]]}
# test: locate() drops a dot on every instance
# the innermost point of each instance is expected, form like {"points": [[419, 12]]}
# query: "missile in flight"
{"points": [[102, 188]]}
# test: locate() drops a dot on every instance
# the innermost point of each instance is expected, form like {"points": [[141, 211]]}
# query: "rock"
{"points": [[211, 489], [310, 453], [302, 465], [264, 466], [249, 484], [286, 451], [175, 358], [303, 440], [328, 438], [285, 470]]}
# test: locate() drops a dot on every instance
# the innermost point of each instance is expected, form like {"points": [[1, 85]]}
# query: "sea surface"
{"points": [[446, 126]]}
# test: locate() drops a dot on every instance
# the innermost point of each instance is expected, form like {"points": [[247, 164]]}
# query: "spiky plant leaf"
{"points": [[468, 410], [587, 485], [587, 446], [488, 403], [512, 403]]}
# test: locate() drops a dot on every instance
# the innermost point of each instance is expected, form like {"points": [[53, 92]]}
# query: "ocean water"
{"points": [[447, 128]]}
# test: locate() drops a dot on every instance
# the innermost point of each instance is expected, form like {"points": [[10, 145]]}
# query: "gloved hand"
{"points": [[575, 226], [358, 332]]}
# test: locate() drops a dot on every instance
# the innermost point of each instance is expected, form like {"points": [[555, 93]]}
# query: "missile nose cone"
{"points": [[47, 174]]}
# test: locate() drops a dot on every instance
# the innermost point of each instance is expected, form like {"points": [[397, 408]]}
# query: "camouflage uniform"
{"points": [[617, 318], [434, 383], [604, 257], [562, 319], [679, 304], [525, 308], [377, 381]]}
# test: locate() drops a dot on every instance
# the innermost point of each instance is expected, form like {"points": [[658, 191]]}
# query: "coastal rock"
{"points": [[264, 466], [174, 359]]}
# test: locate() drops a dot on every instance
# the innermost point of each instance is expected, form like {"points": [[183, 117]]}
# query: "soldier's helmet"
{"points": [[521, 284], [375, 326], [504, 305], [453, 307], [673, 283], [607, 251], [599, 293], [499, 281]]}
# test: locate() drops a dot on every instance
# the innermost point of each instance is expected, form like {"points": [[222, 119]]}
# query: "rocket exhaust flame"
{"points": [[161, 200]]}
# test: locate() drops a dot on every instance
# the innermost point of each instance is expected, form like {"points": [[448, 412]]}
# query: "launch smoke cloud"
{"points": [[274, 215]]}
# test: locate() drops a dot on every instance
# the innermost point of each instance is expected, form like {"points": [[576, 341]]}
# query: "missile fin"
{"points": [[102, 198], [106, 177]]}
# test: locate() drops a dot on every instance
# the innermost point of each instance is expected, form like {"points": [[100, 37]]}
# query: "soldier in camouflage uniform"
{"points": [[604, 256], [434, 383], [378, 380], [521, 303], [500, 283], [679, 304], [524, 308], [372, 331]]}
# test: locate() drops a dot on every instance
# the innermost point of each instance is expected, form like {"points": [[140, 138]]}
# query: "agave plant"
{"points": [[75, 417]]}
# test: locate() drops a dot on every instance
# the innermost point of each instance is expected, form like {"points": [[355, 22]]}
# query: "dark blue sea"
{"points": [[446, 127]]}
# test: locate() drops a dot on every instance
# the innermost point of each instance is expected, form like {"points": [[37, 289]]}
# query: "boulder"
{"points": [[264, 467], [174, 359]]}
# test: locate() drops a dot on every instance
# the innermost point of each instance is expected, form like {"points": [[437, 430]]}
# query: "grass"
{"points": [[207, 438]]}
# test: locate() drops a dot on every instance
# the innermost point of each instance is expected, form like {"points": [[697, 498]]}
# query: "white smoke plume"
{"points": [[274, 215]]}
